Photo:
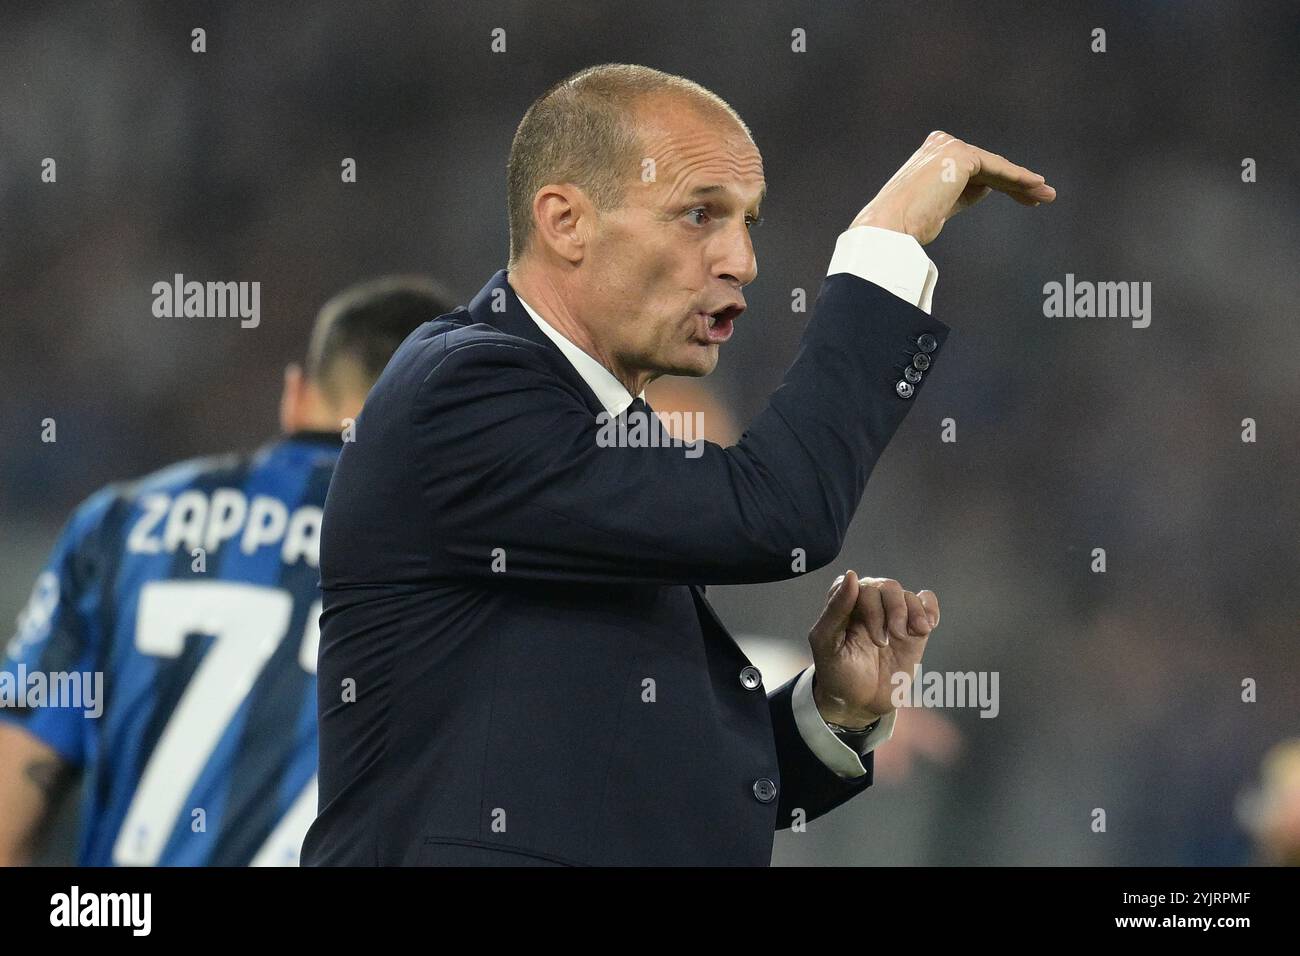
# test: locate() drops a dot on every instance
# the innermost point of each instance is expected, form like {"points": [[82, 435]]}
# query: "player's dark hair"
{"points": [[357, 331]]}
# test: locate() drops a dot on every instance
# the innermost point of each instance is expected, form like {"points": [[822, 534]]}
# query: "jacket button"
{"points": [[911, 374], [904, 389], [927, 342], [764, 790], [750, 678], [921, 361]]}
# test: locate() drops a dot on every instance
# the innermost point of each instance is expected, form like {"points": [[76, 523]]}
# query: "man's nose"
{"points": [[736, 262]]}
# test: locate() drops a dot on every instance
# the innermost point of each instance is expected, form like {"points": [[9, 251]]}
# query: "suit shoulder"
{"points": [[455, 338], [482, 352]]}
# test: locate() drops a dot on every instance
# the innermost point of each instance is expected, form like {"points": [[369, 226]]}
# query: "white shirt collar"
{"points": [[609, 391]]}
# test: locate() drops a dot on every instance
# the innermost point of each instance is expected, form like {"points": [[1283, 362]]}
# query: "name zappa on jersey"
{"points": [[195, 519]]}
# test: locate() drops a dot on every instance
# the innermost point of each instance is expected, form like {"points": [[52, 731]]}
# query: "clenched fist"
{"points": [[941, 179], [871, 630]]}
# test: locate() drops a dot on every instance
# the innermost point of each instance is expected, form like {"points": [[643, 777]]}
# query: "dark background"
{"points": [[1119, 691]]}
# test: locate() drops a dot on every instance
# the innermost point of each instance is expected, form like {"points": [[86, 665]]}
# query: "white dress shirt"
{"points": [[610, 392], [895, 262]]}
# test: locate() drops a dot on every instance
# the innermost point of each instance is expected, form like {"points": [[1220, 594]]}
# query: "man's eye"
{"points": [[702, 212]]}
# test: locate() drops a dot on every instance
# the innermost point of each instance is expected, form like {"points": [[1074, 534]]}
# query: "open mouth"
{"points": [[718, 326]]}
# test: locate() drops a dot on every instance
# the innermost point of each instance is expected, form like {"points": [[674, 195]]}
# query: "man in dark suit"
{"points": [[518, 664]]}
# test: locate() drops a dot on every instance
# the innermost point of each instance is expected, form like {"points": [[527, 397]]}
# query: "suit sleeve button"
{"points": [[927, 342], [904, 388], [912, 375], [921, 360]]}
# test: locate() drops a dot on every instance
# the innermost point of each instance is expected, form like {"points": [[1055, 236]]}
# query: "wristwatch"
{"points": [[851, 737], [839, 729]]}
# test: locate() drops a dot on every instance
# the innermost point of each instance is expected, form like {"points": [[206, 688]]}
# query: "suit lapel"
{"points": [[705, 610], [497, 305]]}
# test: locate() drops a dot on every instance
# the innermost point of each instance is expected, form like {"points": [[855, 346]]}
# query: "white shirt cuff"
{"points": [[823, 742], [892, 260]]}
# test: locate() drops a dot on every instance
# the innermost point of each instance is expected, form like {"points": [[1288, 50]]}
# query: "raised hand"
{"points": [[941, 179]]}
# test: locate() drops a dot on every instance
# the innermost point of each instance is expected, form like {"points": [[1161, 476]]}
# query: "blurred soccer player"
{"points": [[194, 592]]}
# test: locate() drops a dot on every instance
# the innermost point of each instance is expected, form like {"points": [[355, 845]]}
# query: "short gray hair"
{"points": [[583, 131]]}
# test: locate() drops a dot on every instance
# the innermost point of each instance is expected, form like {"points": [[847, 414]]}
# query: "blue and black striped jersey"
{"points": [[169, 650]]}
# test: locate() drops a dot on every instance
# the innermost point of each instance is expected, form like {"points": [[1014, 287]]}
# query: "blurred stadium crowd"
{"points": [[1119, 690]]}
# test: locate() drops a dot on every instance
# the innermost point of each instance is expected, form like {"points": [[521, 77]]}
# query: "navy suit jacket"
{"points": [[518, 664]]}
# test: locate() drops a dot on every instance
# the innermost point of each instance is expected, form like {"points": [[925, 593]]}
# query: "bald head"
{"points": [[587, 131]]}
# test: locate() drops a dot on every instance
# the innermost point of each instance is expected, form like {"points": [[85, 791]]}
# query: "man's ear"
{"points": [[559, 210], [291, 399]]}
